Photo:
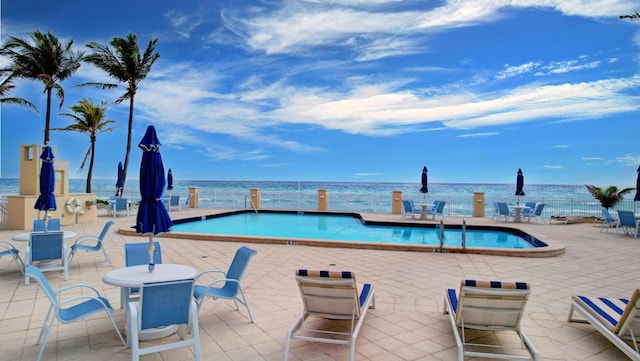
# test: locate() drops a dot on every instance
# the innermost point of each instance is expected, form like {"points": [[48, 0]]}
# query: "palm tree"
{"points": [[635, 15], [5, 88], [42, 58], [89, 119], [126, 64], [609, 197]]}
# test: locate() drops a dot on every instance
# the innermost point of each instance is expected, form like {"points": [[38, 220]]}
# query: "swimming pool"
{"points": [[350, 230]]}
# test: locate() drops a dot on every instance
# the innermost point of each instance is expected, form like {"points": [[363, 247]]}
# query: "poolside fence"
{"points": [[382, 204]]}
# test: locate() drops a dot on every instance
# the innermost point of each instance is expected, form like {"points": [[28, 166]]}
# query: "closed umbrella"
{"points": [[637, 197], [152, 217], [169, 180], [46, 200], [519, 184], [169, 185], [425, 189], [119, 182]]}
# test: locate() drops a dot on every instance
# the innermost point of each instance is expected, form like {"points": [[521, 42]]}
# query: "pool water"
{"points": [[344, 228]]}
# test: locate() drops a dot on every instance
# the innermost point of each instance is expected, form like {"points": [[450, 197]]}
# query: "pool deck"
{"points": [[407, 323]]}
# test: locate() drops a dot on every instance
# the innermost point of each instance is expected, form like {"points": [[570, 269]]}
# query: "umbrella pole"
{"points": [[151, 250]]}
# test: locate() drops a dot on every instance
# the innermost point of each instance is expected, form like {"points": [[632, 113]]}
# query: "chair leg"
{"points": [[106, 256], [44, 333], [195, 330], [19, 263], [246, 304]]}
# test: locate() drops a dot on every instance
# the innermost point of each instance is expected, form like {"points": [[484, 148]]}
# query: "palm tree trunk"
{"points": [[47, 121], [90, 172], [126, 156]]}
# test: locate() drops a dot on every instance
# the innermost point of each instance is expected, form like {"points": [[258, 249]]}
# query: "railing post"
{"points": [[464, 234], [441, 234]]}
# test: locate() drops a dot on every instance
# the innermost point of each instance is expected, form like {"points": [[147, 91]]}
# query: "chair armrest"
{"points": [[210, 271], [83, 297], [77, 285], [7, 245], [84, 239], [222, 280]]}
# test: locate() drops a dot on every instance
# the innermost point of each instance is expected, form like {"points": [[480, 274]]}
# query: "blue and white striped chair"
{"points": [[617, 319], [489, 306], [331, 295]]}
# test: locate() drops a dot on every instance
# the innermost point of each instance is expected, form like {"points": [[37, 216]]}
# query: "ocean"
{"points": [[370, 197]]}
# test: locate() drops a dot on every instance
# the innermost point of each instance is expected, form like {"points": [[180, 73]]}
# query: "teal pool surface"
{"points": [[351, 229]]}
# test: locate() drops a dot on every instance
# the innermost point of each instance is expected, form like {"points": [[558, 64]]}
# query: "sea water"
{"points": [[372, 197]]}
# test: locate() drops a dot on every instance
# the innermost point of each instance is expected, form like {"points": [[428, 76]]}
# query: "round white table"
{"points": [[137, 276], [517, 212], [423, 212], [26, 237]]}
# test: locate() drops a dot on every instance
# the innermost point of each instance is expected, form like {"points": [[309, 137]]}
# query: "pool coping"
{"points": [[551, 249]]}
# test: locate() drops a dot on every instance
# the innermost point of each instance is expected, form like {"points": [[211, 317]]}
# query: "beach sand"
{"points": [[407, 323]]}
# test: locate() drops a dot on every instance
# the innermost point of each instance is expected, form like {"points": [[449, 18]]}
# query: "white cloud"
{"points": [[513, 71], [477, 135], [552, 167], [298, 25], [183, 24], [182, 94]]}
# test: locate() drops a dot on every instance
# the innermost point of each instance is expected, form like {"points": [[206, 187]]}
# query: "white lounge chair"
{"points": [[489, 306], [331, 295], [617, 319]]}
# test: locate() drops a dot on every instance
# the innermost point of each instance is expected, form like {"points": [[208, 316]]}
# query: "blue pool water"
{"points": [[346, 228]]}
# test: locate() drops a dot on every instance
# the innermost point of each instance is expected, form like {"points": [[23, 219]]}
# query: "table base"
{"points": [[156, 333]]}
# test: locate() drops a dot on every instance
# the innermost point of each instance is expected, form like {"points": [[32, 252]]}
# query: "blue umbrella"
{"points": [[152, 217], [425, 189], [169, 180], [519, 184], [47, 200], [119, 182]]}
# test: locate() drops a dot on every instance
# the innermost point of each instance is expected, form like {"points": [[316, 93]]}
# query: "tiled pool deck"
{"points": [[407, 323]]}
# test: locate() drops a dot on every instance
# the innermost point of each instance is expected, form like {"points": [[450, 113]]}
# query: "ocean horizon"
{"points": [[105, 188]]}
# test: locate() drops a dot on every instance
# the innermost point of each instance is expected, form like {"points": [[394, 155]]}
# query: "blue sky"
{"points": [[355, 90]]}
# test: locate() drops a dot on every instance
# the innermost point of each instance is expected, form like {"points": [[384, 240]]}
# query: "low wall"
{"points": [[20, 211]]}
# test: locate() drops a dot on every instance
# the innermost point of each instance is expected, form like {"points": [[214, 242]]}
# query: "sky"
{"points": [[353, 90]]}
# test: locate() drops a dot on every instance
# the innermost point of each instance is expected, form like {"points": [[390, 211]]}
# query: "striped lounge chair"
{"points": [[331, 295], [491, 306], [616, 318]]}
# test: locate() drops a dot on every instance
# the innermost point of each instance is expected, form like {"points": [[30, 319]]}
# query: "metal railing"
{"points": [[382, 204], [3, 212]]}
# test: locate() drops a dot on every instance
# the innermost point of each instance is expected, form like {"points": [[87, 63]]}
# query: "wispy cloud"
{"points": [[629, 159], [552, 166], [183, 24], [552, 68], [477, 135]]}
